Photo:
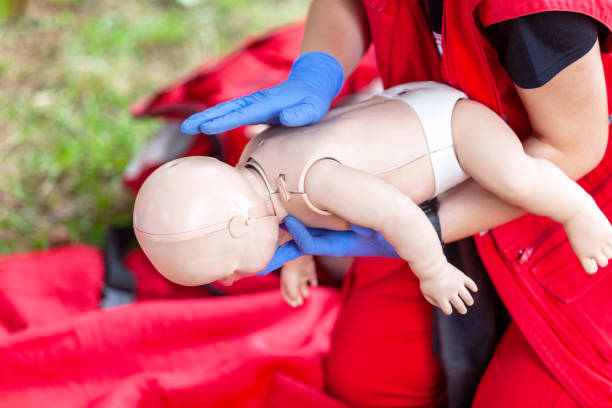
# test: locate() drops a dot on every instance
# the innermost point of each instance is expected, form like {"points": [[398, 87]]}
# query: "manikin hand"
{"points": [[449, 287], [304, 98], [359, 241], [296, 276]]}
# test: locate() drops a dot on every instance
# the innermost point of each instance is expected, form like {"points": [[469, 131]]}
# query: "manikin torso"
{"points": [[351, 136]]}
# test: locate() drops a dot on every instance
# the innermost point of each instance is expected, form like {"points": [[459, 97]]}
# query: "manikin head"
{"points": [[199, 220]]}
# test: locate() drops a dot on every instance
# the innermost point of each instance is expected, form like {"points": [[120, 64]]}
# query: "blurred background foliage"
{"points": [[69, 69]]}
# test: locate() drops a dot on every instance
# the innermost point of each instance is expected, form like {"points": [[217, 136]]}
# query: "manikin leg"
{"points": [[491, 153]]}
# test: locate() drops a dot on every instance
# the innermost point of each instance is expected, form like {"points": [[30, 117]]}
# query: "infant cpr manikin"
{"points": [[200, 220]]}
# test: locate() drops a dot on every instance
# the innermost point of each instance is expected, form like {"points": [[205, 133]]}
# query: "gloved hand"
{"points": [[360, 241], [304, 98]]}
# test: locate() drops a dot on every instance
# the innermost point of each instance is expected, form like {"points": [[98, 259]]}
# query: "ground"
{"points": [[69, 69]]}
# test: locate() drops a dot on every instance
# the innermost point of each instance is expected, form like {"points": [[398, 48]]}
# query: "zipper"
{"points": [[525, 253]]}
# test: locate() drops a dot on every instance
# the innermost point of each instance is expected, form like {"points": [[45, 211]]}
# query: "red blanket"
{"points": [[58, 349]]}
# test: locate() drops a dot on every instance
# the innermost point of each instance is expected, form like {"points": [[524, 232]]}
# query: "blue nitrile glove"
{"points": [[304, 98], [360, 241]]}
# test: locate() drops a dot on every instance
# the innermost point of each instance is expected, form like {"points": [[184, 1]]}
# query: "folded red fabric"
{"points": [[58, 349]]}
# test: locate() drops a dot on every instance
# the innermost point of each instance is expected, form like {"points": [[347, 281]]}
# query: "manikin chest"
{"points": [[378, 136]]}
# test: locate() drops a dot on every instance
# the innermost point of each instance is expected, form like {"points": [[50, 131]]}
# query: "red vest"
{"points": [[565, 314]]}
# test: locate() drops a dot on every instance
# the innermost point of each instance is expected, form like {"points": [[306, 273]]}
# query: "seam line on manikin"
{"points": [[420, 157]]}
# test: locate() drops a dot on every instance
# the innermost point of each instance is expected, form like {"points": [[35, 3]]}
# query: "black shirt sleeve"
{"points": [[535, 48]]}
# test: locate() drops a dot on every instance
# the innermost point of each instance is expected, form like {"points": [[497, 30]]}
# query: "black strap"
{"points": [[119, 282], [464, 344], [430, 208]]}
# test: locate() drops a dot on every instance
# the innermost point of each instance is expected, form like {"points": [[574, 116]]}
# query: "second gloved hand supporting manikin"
{"points": [[368, 164]]}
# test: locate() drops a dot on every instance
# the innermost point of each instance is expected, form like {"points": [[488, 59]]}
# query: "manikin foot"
{"points": [[590, 235]]}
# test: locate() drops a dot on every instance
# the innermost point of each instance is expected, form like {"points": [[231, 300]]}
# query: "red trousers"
{"points": [[381, 353], [517, 378]]}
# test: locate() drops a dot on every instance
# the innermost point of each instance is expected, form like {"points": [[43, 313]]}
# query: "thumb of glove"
{"points": [[300, 235], [363, 231], [285, 253]]}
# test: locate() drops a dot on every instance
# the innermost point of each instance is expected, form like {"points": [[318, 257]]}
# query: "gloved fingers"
{"points": [[261, 112], [285, 253], [292, 223], [258, 107], [320, 241], [304, 113], [300, 234], [363, 231], [191, 125]]}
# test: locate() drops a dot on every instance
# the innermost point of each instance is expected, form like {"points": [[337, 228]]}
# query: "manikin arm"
{"points": [[569, 119], [366, 200]]}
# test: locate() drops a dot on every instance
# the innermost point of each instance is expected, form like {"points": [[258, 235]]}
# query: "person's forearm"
{"points": [[569, 118], [468, 209], [338, 27]]}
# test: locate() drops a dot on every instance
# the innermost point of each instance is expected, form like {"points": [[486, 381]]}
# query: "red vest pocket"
{"points": [[559, 270], [585, 299], [562, 275]]}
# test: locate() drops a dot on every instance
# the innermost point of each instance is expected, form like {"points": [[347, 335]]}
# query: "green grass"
{"points": [[69, 69]]}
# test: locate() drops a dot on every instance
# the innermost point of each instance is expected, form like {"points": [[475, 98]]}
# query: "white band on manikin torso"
{"points": [[433, 103]]}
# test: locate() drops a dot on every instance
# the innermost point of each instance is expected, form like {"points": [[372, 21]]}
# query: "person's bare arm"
{"points": [[365, 200], [338, 27], [570, 128]]}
